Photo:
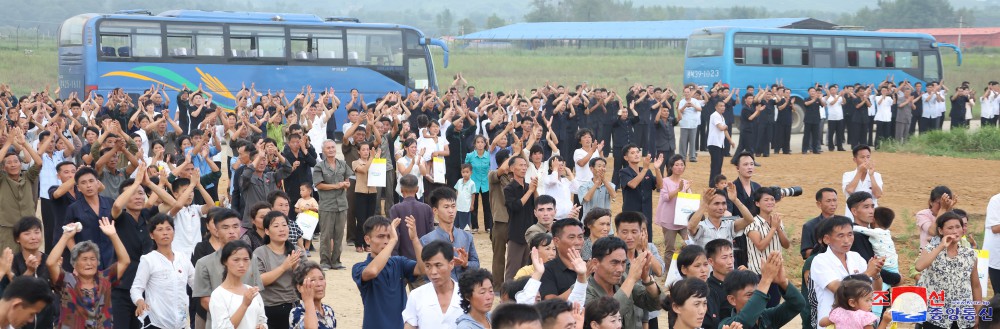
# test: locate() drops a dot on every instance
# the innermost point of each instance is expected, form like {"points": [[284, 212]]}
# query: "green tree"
{"points": [[906, 14], [466, 26], [543, 11], [495, 21], [444, 21]]}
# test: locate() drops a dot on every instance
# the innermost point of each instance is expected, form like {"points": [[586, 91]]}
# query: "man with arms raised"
{"points": [[609, 260]]}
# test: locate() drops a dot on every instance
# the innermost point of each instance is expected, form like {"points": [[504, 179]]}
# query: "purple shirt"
{"points": [[424, 217]]}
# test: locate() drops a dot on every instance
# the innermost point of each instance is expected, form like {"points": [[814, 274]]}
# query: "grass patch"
{"points": [[983, 143]]}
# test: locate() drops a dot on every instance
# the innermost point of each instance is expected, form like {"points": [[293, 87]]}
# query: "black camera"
{"points": [[778, 192]]}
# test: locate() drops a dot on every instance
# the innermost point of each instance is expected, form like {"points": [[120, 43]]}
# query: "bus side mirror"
{"points": [[953, 47]]}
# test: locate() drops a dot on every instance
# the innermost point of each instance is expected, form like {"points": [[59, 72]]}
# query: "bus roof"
{"points": [[849, 33], [252, 17]]}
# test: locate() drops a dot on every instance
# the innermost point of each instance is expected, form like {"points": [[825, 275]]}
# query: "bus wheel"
{"points": [[798, 114]]}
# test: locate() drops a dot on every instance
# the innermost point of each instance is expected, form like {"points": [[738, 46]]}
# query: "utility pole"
{"points": [[961, 21]]}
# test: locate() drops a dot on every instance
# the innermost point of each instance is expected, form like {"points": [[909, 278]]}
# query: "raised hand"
{"points": [[706, 197], [6, 261], [108, 227], [292, 260], [658, 162], [461, 257], [536, 261], [579, 266], [308, 290], [392, 229], [737, 325], [249, 295]]}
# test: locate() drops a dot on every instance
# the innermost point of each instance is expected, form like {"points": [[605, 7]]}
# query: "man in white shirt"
{"points": [[423, 308], [835, 118], [864, 178], [883, 114], [930, 99], [991, 240], [832, 266]]}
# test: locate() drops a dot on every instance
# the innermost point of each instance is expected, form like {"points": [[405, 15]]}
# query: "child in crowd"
{"points": [[853, 307], [307, 206], [967, 240], [881, 238], [465, 188]]}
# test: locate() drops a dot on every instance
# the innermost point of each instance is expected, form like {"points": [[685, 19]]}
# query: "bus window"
{"points": [[754, 55], [864, 58], [194, 40], [125, 39], [795, 56], [412, 40], [705, 45], [257, 41], [374, 47], [901, 59], [932, 70], [892, 43], [317, 44], [418, 79], [822, 42], [71, 32]]}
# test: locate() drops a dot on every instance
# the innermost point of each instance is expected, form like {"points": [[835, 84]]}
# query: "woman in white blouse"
{"points": [[560, 184], [160, 287], [234, 305], [410, 164]]}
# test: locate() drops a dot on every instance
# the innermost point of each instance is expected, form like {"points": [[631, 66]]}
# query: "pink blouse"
{"points": [[665, 208]]}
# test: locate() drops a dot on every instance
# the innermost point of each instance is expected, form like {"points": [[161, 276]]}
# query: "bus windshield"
{"points": [[705, 45], [71, 31]]}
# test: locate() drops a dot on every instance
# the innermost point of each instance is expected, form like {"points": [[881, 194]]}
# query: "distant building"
{"points": [[971, 37], [636, 34]]}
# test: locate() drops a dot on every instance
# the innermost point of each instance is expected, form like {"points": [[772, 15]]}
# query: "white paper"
{"points": [[376, 173], [439, 169], [687, 204]]}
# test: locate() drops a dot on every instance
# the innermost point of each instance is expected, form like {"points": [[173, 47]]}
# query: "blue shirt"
{"points": [[384, 297], [480, 169], [200, 163], [462, 240], [296, 319], [80, 212]]}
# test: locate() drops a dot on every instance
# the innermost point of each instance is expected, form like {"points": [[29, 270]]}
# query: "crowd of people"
{"points": [[213, 218]]}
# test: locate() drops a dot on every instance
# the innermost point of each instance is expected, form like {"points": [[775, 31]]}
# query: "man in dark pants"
{"points": [[812, 133], [783, 125], [748, 123], [644, 110], [859, 118], [765, 124], [708, 109], [834, 102], [729, 98], [622, 134], [918, 108]]}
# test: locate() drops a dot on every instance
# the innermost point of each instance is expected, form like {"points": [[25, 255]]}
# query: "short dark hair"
{"points": [[179, 183], [229, 249], [629, 217], [688, 255], [827, 226], [512, 287], [560, 225], [718, 178], [884, 217], [83, 172], [945, 218], [593, 215], [628, 148], [550, 309], [502, 155], [759, 194], [224, 214], [856, 198], [159, 219], [376, 221], [683, 290], [545, 199], [938, 191], [274, 195], [593, 161], [736, 159], [467, 283], [819, 193], [714, 247], [605, 246], [438, 247], [511, 315], [673, 160], [301, 271], [444, 193], [738, 280], [63, 164], [29, 289], [540, 239], [25, 224], [858, 148], [598, 309], [583, 132]]}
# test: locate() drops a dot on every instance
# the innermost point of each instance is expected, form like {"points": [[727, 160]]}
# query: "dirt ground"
{"points": [[908, 180]]}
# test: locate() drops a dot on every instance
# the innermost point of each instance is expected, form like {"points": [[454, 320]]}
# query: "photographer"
{"points": [[745, 188]]}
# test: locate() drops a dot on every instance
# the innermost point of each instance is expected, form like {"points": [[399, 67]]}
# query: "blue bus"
{"points": [[758, 56], [223, 50]]}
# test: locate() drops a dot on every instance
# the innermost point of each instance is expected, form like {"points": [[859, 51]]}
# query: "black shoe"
{"points": [[728, 155], [339, 267], [756, 164], [694, 160], [841, 149], [766, 155]]}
